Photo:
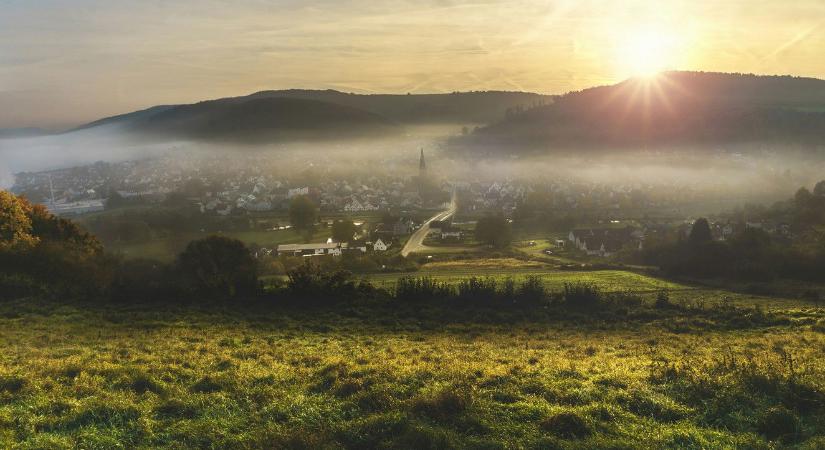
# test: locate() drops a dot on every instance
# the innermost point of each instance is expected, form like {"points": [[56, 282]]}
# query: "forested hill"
{"points": [[673, 109], [481, 107], [261, 119], [307, 114]]}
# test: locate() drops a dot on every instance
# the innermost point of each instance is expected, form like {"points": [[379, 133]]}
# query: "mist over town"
{"points": [[392, 224]]}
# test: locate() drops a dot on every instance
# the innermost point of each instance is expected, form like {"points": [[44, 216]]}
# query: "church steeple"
{"points": [[422, 166]]}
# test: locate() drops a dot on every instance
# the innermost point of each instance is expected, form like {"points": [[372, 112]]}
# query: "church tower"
{"points": [[422, 166]]}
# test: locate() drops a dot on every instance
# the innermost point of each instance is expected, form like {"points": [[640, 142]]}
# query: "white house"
{"points": [[380, 246], [297, 191], [354, 206], [450, 233], [325, 248]]}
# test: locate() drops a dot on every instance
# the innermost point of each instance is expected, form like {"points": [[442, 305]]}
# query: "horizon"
{"points": [[65, 65], [74, 126], [392, 224]]}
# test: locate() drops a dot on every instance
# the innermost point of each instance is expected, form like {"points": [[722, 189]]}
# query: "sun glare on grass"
{"points": [[645, 53]]}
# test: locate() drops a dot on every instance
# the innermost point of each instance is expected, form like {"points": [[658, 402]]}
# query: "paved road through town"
{"points": [[416, 242]]}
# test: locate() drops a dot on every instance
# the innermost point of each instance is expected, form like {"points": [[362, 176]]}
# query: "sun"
{"points": [[645, 53]]}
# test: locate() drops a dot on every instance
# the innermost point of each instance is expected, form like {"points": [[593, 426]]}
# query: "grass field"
{"points": [[609, 280], [242, 377]]}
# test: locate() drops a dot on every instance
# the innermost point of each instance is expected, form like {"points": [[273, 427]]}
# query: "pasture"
{"points": [[405, 376]]}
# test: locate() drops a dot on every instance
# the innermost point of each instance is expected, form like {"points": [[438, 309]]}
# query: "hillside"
{"points": [[675, 109], [270, 115], [457, 107], [252, 121]]}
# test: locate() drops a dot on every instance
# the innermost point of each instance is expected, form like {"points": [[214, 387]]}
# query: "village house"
{"points": [[319, 249], [605, 242], [380, 246], [451, 233]]}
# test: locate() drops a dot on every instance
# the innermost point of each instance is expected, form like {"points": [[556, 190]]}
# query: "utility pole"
{"points": [[51, 189]]}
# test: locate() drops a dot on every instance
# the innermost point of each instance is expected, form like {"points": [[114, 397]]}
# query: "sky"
{"points": [[67, 62]]}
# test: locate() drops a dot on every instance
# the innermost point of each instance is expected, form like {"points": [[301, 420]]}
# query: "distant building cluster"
{"points": [[606, 242]]}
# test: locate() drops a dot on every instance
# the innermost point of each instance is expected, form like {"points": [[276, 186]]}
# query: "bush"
{"points": [[310, 283], [477, 290], [421, 289], [142, 280], [531, 292], [582, 296], [218, 266], [60, 268]]}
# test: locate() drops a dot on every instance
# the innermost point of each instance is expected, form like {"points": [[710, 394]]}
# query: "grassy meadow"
{"points": [[395, 375]]}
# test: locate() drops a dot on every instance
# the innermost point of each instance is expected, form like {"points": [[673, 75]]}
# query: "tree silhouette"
{"points": [[493, 230], [302, 215], [218, 266], [700, 233], [819, 189], [343, 230]]}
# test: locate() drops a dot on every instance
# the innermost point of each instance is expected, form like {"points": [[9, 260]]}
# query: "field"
{"points": [[405, 376], [454, 271]]}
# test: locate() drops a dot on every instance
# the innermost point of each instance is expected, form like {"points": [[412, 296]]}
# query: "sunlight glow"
{"points": [[645, 53]]}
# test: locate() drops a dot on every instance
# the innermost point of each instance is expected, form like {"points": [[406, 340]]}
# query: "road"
{"points": [[416, 242]]}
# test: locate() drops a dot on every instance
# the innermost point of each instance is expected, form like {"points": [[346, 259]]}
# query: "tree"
{"points": [[803, 198], [819, 189], [50, 252], [48, 227], [218, 266], [15, 221], [303, 214], [700, 232], [343, 230], [115, 200], [493, 230]]}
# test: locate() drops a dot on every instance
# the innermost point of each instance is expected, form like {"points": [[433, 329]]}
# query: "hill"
{"points": [[275, 115], [260, 119], [674, 109], [457, 107]]}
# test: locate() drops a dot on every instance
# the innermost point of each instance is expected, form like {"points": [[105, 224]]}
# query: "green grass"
{"points": [[235, 377], [608, 280]]}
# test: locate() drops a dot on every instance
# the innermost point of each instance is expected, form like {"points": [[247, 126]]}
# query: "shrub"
{"points": [[218, 266], [311, 284], [476, 289], [421, 289], [531, 292], [508, 289], [141, 280], [582, 296]]}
